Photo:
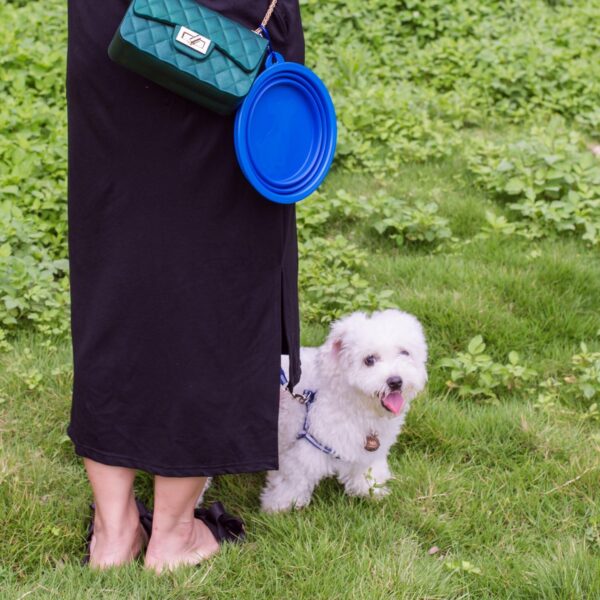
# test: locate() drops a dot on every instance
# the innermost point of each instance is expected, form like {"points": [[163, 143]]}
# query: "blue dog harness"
{"points": [[308, 398]]}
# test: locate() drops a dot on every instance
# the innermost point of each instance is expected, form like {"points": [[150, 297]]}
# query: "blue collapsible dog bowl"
{"points": [[286, 132], [314, 157], [308, 152]]}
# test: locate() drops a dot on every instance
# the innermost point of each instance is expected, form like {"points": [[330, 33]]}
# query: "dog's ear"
{"points": [[337, 345], [338, 334], [334, 344]]}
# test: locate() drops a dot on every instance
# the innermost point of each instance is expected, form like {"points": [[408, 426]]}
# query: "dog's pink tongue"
{"points": [[394, 401]]}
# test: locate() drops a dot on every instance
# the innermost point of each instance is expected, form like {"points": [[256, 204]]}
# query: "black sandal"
{"points": [[224, 526], [145, 521]]}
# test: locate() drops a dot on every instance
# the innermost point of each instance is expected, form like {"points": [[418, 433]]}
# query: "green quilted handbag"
{"points": [[191, 50]]}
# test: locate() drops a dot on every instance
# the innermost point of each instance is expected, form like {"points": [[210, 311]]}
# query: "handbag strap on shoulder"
{"points": [[267, 18]]}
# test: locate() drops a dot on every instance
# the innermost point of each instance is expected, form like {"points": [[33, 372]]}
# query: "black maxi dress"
{"points": [[183, 278]]}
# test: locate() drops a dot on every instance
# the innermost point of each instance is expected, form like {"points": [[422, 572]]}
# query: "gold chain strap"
{"points": [[267, 18]]}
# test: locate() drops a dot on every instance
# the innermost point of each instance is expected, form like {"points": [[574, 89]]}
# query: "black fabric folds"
{"points": [[183, 278]]}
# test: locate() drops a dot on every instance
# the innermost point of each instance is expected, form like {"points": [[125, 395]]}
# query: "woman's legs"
{"points": [[177, 537], [118, 536]]}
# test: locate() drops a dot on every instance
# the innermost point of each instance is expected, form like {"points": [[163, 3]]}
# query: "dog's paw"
{"points": [[276, 500], [280, 506], [374, 492], [274, 508], [379, 491], [358, 491], [364, 487]]}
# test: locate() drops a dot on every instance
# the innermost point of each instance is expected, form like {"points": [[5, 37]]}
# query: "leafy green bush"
{"points": [[550, 181], [332, 282], [33, 150], [410, 79], [33, 287], [585, 378], [332, 267], [474, 374], [520, 63], [383, 127], [409, 73], [33, 144], [578, 389], [404, 223]]}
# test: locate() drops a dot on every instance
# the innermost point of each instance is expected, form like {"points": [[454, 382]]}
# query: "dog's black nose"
{"points": [[394, 383]]}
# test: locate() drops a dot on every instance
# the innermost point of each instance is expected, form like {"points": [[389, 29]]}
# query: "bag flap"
{"points": [[239, 43]]}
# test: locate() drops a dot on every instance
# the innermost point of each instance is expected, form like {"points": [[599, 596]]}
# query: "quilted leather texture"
{"points": [[242, 45], [146, 45]]}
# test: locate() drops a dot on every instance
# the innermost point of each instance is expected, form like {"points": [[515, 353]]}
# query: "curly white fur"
{"points": [[352, 373]]}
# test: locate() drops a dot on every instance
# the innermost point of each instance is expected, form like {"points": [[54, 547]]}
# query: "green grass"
{"points": [[507, 493]]}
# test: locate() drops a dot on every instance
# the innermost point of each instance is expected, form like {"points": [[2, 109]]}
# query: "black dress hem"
{"points": [[107, 458]]}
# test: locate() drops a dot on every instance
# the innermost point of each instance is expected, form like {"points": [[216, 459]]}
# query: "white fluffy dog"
{"points": [[363, 377]]}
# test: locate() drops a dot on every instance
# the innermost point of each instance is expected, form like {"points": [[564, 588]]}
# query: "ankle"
{"points": [[116, 525], [181, 531]]}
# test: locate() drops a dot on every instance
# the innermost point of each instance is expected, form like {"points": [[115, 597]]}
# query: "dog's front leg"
{"points": [[293, 484], [380, 474], [361, 481]]}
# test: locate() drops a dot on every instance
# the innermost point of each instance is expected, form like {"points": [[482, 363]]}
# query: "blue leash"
{"points": [[308, 399]]}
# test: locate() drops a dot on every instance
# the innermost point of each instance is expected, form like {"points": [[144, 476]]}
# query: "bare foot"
{"points": [[111, 547], [188, 543]]}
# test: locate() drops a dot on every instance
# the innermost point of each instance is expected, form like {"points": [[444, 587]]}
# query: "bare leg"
{"points": [[118, 536], [177, 537]]}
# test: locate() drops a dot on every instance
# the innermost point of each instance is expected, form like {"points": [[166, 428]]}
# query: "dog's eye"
{"points": [[370, 360], [405, 352]]}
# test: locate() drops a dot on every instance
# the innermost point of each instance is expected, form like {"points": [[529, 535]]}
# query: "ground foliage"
{"points": [[412, 81]]}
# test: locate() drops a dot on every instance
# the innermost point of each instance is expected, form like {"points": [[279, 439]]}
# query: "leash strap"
{"points": [[282, 378]]}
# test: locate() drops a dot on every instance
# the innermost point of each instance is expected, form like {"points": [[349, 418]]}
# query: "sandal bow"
{"points": [[145, 517], [224, 526]]}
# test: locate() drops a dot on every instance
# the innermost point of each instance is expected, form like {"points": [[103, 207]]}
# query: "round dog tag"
{"points": [[372, 444], [286, 132]]}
